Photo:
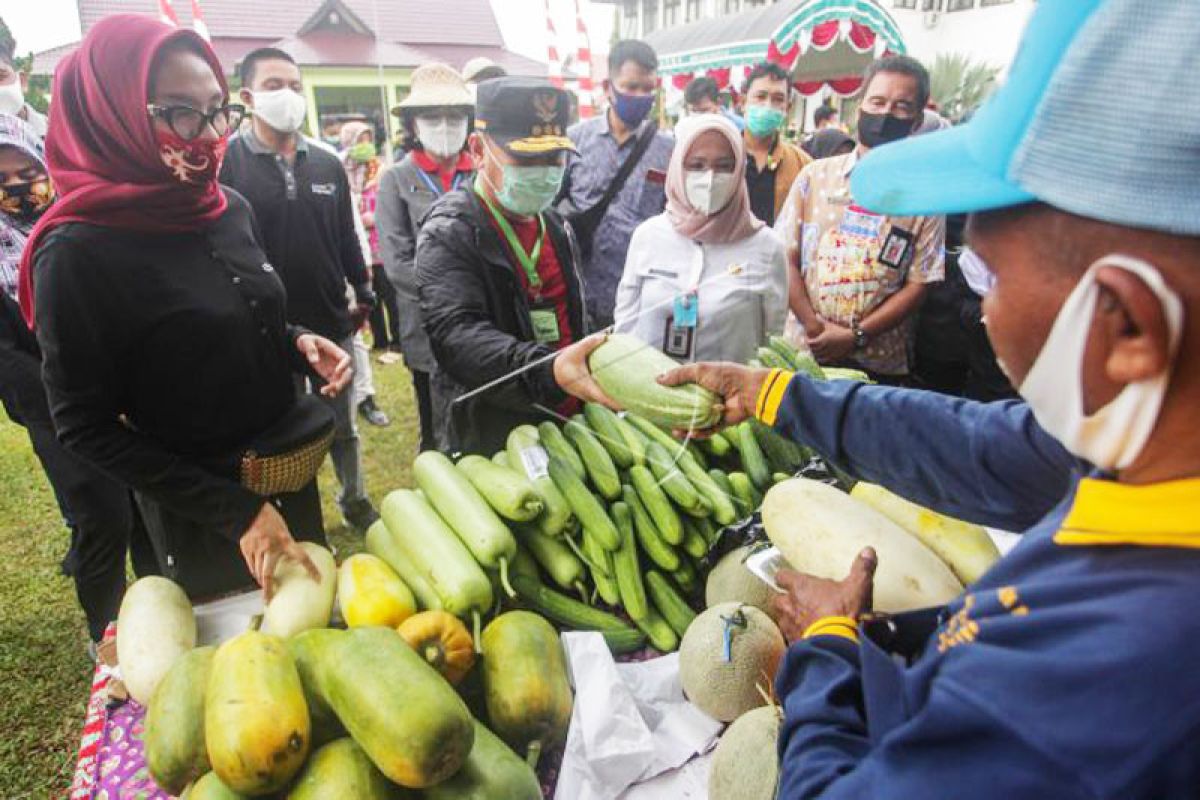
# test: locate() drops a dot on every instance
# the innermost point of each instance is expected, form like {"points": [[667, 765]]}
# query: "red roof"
{"points": [[410, 32]]}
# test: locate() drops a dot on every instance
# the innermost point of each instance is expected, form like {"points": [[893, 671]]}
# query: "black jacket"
{"points": [[307, 228], [476, 315], [21, 390]]}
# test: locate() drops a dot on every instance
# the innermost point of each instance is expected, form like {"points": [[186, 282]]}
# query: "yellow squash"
{"points": [[371, 593], [442, 640]]}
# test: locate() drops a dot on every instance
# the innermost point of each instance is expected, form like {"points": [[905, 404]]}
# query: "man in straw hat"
{"points": [[497, 276], [436, 118], [1066, 670]]}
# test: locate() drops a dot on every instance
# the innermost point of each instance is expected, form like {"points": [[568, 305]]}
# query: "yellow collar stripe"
{"points": [[1157, 515], [771, 395]]}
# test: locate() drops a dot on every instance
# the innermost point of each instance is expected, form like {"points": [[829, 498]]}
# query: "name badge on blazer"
{"points": [[897, 248]]}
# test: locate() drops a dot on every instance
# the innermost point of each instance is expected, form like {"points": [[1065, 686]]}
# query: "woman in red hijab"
{"points": [[167, 358]]}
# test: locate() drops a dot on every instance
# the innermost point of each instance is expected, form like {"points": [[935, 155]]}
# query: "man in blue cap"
{"points": [[1066, 671]]}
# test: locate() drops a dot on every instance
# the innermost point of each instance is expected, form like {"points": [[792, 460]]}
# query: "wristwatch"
{"points": [[860, 337]]}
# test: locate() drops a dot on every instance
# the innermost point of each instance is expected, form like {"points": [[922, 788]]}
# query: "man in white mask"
{"points": [[306, 215], [436, 116], [13, 84], [1066, 670]]}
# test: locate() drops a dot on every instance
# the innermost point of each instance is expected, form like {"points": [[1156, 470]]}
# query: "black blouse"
{"points": [[162, 351]]}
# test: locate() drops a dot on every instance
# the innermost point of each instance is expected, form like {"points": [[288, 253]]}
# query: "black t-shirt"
{"points": [[164, 353], [762, 191]]}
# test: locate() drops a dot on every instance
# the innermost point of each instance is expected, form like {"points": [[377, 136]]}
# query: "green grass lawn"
{"points": [[43, 663]]}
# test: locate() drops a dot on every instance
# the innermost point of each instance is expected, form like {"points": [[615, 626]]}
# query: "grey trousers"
{"points": [[345, 451]]}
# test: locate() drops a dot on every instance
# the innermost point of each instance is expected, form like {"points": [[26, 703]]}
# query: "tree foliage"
{"points": [[959, 85]]}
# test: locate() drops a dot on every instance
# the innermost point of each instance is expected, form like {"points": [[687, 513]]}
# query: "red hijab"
{"points": [[101, 148]]}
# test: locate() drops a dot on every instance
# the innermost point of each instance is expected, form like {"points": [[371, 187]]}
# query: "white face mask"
{"points": [[1114, 436], [442, 136], [709, 191], [282, 109], [12, 99]]}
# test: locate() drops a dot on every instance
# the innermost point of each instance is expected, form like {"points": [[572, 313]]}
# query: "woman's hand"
{"points": [[738, 386], [573, 376], [265, 542], [808, 599], [329, 361], [833, 343]]}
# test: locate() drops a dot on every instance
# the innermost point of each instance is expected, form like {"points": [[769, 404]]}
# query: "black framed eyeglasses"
{"points": [[188, 122]]}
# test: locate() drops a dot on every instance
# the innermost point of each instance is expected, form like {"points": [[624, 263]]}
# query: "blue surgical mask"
{"points": [[527, 190], [632, 108]]}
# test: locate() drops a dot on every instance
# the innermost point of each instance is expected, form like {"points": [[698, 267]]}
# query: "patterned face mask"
{"points": [[194, 162], [26, 201]]}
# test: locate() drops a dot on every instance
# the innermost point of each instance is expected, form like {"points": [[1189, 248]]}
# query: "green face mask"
{"points": [[762, 121], [363, 151], [528, 190]]}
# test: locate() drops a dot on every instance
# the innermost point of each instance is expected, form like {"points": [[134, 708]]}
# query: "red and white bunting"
{"points": [[198, 24], [556, 73], [166, 13], [587, 97]]}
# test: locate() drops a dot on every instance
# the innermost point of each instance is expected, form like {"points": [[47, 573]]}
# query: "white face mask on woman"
{"points": [[12, 99], [443, 137], [282, 109], [1114, 436], [708, 191]]}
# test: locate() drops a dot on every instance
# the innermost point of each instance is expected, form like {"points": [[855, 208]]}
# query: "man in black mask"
{"points": [[861, 276]]}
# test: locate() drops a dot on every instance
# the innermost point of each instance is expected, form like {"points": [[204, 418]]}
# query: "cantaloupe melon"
{"points": [[721, 681], [731, 582], [745, 765]]}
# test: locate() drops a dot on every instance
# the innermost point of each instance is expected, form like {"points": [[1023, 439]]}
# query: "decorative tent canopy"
{"points": [[822, 43]]}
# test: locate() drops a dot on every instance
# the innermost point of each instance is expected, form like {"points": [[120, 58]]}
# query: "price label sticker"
{"points": [[536, 462]]}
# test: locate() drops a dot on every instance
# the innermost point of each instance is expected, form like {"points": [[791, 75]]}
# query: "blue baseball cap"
{"points": [[1065, 128]]}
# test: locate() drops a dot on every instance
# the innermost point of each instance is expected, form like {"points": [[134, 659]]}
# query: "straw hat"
{"points": [[435, 86], [481, 69]]}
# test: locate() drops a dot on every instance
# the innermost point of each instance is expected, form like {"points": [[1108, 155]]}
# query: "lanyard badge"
{"points": [[679, 337]]}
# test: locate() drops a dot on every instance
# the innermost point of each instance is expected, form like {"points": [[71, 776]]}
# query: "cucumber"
{"points": [[807, 365], [523, 563], [744, 491], [694, 542], [626, 641], [662, 636], [607, 427], [783, 455], [648, 537], [510, 495], [666, 520], [596, 460], [772, 360], [672, 481], [556, 444], [652, 433], [587, 508], [707, 529], [468, 514], [753, 460], [437, 553], [527, 456], [674, 609], [711, 493], [385, 545], [625, 565], [693, 447], [785, 350], [686, 577], [500, 459], [717, 445], [558, 559], [721, 479], [565, 610], [600, 561], [843, 374]]}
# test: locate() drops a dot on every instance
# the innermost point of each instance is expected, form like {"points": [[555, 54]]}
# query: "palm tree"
{"points": [[959, 85]]}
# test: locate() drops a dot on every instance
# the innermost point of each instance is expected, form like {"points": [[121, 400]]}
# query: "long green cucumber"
{"points": [[652, 543], [652, 433], [662, 636], [626, 641], [666, 520], [785, 349], [600, 563], [509, 494], [672, 481], [565, 610], [717, 445], [590, 511], [772, 360], [720, 501], [524, 564], [607, 427], [721, 479], [686, 577], [527, 456], [627, 570], [745, 491], [556, 444], [675, 609], [694, 542], [555, 556], [753, 460], [596, 460], [783, 455]]}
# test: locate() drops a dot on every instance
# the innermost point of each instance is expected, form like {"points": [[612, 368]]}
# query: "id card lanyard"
{"points": [[529, 259], [436, 188], [680, 337]]}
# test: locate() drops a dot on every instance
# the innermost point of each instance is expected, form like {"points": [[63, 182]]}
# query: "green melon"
{"points": [[727, 689], [731, 582], [745, 765]]}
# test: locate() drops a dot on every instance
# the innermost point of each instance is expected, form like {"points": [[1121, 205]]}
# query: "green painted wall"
{"points": [[396, 80]]}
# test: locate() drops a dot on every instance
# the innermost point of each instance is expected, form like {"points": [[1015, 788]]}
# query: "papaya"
{"points": [[306, 649], [403, 714], [526, 688], [341, 769], [174, 741], [492, 771], [371, 593], [256, 723], [209, 787]]}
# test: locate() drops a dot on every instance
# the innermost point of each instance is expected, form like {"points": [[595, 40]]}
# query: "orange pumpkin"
{"points": [[442, 640]]}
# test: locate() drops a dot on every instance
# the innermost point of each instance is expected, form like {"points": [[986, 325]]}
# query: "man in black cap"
{"points": [[498, 279]]}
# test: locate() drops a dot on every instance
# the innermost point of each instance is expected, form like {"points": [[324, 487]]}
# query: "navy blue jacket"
{"points": [[1070, 670]]}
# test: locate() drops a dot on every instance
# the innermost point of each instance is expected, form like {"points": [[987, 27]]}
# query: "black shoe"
{"points": [[361, 515], [371, 413]]}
